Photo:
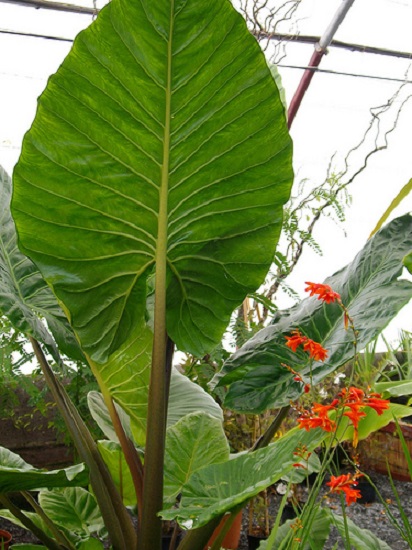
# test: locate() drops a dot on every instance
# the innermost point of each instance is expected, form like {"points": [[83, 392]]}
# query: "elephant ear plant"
{"points": [[152, 180], [148, 203]]}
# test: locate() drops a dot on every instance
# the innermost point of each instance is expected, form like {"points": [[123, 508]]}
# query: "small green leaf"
{"points": [[408, 262], [114, 458], [394, 388], [187, 397], [91, 544], [315, 539], [218, 488], [101, 416], [126, 377], [361, 539], [196, 440], [72, 508], [404, 192]]}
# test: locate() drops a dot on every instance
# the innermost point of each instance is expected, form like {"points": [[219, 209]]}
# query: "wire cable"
{"points": [[341, 73]]}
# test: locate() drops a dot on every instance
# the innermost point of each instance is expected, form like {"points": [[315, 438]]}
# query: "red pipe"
{"points": [[303, 85]]}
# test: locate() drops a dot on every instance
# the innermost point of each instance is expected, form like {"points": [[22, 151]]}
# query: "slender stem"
{"points": [[115, 515], [150, 526], [131, 455], [267, 437], [173, 540]]}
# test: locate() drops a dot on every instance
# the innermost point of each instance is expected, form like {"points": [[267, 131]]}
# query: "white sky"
{"points": [[332, 119]]}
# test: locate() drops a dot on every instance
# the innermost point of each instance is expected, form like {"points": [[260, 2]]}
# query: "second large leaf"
{"points": [[372, 289], [161, 133]]}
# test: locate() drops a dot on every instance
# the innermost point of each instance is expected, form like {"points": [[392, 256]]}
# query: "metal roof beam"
{"points": [[57, 6]]}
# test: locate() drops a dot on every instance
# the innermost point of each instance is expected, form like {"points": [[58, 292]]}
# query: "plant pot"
{"points": [[368, 493], [5, 539], [167, 539], [168, 531], [288, 513], [385, 445], [254, 541], [231, 540]]}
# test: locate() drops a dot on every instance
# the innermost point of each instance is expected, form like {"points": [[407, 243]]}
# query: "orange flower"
{"points": [[354, 415], [315, 350], [322, 410], [352, 394], [318, 418], [345, 484], [377, 404], [355, 400], [311, 422], [293, 342], [355, 397], [324, 292]]}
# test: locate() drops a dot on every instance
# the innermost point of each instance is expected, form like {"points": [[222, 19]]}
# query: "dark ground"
{"points": [[371, 516]]}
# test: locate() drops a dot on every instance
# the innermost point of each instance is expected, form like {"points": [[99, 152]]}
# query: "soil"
{"points": [[372, 516]]}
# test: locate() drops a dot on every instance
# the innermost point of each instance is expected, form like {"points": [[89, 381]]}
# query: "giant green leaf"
{"points": [[25, 297], [371, 288], [162, 135], [218, 488], [18, 475], [195, 441]]}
